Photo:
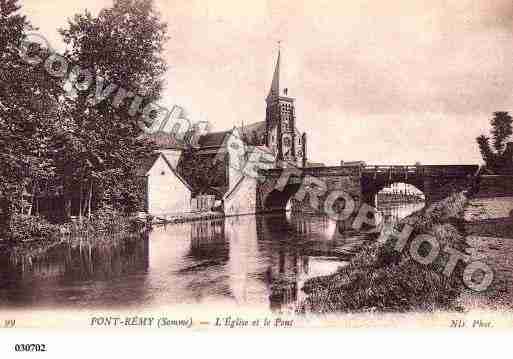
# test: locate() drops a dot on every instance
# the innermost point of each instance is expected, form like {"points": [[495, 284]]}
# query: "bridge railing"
{"points": [[380, 170], [424, 170]]}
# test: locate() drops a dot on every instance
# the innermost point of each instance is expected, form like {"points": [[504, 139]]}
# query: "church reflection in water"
{"points": [[250, 261]]}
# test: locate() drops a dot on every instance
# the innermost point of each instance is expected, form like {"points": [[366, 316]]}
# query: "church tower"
{"points": [[280, 122]]}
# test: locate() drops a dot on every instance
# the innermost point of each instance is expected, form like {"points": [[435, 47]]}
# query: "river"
{"points": [[256, 262]]}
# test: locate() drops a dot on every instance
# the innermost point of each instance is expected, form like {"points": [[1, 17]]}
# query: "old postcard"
{"points": [[178, 165]]}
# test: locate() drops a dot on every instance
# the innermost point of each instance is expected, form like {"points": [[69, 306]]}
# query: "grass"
{"points": [[382, 279]]}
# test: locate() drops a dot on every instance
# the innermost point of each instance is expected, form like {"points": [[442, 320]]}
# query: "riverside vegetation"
{"points": [[65, 153], [31, 232], [383, 279]]}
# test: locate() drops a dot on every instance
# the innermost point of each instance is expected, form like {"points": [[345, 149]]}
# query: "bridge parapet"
{"points": [[333, 171], [424, 170], [276, 186]]}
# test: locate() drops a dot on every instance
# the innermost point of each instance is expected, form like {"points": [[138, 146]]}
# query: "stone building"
{"points": [[281, 135], [215, 165], [167, 193]]}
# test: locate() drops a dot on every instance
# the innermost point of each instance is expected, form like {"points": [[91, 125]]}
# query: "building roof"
{"points": [[213, 139], [275, 84], [164, 140], [257, 128], [146, 165]]}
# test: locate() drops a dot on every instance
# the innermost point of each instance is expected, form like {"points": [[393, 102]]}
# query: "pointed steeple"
{"points": [[275, 85]]}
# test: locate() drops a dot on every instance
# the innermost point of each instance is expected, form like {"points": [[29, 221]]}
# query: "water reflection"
{"points": [[252, 261], [393, 212]]}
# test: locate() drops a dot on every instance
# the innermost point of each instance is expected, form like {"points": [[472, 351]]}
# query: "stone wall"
{"points": [[167, 194], [331, 179], [242, 198]]}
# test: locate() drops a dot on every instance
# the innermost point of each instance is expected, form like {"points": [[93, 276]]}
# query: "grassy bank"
{"points": [[380, 278], [105, 225]]}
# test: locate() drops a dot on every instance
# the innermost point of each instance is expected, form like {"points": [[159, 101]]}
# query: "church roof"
{"points": [[275, 85], [214, 139], [259, 127], [249, 131], [164, 140]]}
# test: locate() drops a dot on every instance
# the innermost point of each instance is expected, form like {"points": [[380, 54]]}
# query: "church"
{"points": [[211, 170]]}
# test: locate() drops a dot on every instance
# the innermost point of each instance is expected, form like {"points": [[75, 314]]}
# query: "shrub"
{"points": [[380, 278], [25, 228]]}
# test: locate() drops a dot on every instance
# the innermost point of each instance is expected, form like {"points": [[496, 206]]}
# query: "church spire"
{"points": [[275, 85]]}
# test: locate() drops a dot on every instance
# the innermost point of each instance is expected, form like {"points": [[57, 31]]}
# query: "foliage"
{"points": [[121, 46], [501, 129], [29, 109], [55, 133], [105, 224], [496, 158], [29, 228], [202, 172]]}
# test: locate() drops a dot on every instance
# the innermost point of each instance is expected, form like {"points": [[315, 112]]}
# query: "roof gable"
{"points": [[148, 164]]}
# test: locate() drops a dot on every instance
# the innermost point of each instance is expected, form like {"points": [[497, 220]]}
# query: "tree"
{"points": [[202, 171], [29, 107], [121, 46], [495, 158], [501, 129]]}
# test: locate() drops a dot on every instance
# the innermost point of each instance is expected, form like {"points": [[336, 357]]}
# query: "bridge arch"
{"points": [[277, 200], [362, 183], [374, 191], [400, 192], [281, 185], [434, 181]]}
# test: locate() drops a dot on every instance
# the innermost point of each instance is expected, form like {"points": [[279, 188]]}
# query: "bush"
{"points": [[380, 278], [25, 228], [105, 225]]}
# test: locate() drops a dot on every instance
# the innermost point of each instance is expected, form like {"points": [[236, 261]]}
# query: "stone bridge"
{"points": [[362, 183]]}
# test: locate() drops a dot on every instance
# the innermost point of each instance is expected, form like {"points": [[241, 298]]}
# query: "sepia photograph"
{"points": [[187, 166]]}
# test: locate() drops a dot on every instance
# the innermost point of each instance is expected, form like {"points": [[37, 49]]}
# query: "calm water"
{"points": [[253, 261]]}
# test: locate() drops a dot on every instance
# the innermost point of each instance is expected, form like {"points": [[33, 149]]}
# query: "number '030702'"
{"points": [[30, 347]]}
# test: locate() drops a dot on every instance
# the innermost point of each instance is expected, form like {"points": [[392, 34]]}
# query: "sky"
{"points": [[392, 82]]}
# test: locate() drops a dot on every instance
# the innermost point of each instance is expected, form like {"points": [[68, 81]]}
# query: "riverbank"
{"points": [[36, 233], [186, 217], [382, 279], [490, 238]]}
